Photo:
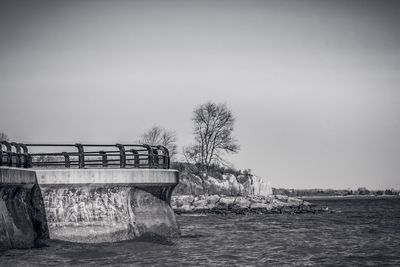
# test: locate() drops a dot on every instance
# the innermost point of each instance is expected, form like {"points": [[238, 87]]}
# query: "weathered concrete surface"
{"points": [[108, 205], [91, 214], [108, 176], [9, 175], [22, 214], [85, 205]]}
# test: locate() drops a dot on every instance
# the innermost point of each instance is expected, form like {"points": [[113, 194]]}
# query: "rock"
{"points": [[282, 198], [277, 202], [202, 203], [256, 199], [261, 206], [213, 200], [200, 197], [182, 200], [186, 208], [242, 202], [294, 201], [306, 203], [226, 201]]}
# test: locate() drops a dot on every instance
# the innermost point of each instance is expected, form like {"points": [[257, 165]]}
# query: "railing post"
{"points": [[150, 155], [156, 159], [1, 154], [67, 160], [28, 163], [27, 156], [104, 158], [18, 160], [122, 155], [81, 156], [136, 162], [9, 152], [166, 160]]}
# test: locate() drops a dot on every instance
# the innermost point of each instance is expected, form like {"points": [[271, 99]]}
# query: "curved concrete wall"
{"points": [[85, 205], [107, 205], [22, 213]]}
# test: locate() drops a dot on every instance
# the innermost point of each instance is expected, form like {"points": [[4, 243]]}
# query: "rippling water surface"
{"points": [[362, 232]]}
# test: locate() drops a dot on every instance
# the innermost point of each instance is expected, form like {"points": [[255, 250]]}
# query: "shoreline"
{"points": [[251, 204], [349, 197]]}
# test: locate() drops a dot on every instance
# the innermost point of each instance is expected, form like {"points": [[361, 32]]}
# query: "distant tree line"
{"points": [[362, 191]]}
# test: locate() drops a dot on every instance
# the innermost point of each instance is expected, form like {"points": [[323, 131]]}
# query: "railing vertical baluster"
{"points": [[155, 158], [104, 158], [67, 160], [81, 156], [122, 155], [149, 155], [136, 161]]}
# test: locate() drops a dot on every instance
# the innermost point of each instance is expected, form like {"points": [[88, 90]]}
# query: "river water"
{"points": [[361, 232]]}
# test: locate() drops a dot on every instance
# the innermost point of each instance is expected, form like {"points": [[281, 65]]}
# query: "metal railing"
{"points": [[14, 154]]}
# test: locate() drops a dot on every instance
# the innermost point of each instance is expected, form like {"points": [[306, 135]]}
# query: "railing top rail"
{"points": [[83, 144], [142, 155], [49, 144]]}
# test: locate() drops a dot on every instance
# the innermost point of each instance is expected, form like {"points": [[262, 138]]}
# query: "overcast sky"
{"points": [[314, 85]]}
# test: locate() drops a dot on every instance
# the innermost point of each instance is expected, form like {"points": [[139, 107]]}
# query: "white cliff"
{"points": [[257, 186], [228, 184]]}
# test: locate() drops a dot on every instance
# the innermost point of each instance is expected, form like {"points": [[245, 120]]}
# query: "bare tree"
{"points": [[213, 126], [161, 136], [4, 137]]}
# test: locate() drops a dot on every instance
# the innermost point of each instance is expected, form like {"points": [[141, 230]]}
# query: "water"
{"points": [[362, 232]]}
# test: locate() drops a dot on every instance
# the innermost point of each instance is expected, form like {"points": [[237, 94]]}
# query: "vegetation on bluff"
{"points": [[202, 163]]}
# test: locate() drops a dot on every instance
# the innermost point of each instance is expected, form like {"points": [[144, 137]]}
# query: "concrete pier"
{"points": [[22, 214], [108, 205], [97, 205]]}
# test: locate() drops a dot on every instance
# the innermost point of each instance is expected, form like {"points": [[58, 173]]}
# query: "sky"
{"points": [[314, 85]]}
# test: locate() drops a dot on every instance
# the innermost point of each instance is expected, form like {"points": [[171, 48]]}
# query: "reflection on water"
{"points": [[361, 232]]}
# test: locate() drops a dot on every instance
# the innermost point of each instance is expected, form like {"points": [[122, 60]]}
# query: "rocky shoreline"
{"points": [[251, 204]]}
